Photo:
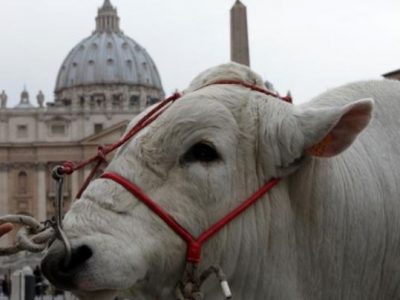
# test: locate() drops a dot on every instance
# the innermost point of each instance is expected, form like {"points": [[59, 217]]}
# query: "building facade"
{"points": [[104, 81]]}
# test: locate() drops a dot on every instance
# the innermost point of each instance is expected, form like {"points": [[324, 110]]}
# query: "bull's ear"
{"points": [[329, 131]]}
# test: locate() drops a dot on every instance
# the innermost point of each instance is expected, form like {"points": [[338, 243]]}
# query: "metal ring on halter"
{"points": [[190, 285], [58, 175]]}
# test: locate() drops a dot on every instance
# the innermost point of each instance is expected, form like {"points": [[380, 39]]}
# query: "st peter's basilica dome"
{"points": [[107, 58]]}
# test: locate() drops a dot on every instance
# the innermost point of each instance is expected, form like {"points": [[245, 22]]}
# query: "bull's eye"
{"points": [[202, 152]]}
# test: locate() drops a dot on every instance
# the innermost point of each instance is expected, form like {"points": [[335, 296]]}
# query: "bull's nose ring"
{"points": [[68, 252], [58, 175]]}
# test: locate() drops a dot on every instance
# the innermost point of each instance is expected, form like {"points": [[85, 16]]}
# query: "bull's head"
{"points": [[201, 157]]}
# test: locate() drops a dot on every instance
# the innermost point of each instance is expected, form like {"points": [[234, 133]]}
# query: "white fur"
{"points": [[329, 230]]}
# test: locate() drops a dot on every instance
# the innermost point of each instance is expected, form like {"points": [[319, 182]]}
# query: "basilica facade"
{"points": [[104, 81]]}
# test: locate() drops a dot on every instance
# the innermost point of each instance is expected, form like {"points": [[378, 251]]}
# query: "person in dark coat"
{"points": [[6, 286]]}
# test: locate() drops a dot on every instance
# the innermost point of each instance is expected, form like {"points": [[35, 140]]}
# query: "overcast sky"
{"points": [[306, 46]]}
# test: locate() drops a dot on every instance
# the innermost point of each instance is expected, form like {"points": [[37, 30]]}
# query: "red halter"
{"points": [[193, 244]]}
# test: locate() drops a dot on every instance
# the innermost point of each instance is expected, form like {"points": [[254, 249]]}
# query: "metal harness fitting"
{"points": [[34, 236], [189, 288]]}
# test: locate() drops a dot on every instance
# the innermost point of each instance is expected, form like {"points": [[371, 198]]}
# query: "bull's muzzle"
{"points": [[61, 275]]}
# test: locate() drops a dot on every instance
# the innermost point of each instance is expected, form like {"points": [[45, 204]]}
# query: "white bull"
{"points": [[329, 230]]}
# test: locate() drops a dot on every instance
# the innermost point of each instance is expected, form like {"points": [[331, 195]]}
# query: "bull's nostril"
{"points": [[78, 257]]}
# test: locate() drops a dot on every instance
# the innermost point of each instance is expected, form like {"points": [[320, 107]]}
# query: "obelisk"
{"points": [[239, 34]]}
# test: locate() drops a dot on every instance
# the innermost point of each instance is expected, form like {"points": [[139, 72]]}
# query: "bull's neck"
{"points": [[252, 248]]}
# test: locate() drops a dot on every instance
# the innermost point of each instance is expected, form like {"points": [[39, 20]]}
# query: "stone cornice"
{"points": [[41, 166], [68, 115], [6, 166], [40, 144]]}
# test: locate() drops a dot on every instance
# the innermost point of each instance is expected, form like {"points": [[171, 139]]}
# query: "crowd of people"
{"points": [[5, 283], [41, 287]]}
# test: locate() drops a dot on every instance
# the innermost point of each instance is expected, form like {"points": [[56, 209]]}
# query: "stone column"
{"points": [[88, 100], [108, 101], [75, 101], [143, 99], [127, 97], [41, 192], [239, 34], [4, 208], [4, 197]]}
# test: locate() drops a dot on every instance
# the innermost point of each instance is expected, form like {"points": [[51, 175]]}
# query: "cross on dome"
{"points": [[107, 3]]}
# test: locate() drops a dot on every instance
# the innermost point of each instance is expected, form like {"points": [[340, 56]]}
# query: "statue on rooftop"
{"points": [[40, 99], [3, 99]]}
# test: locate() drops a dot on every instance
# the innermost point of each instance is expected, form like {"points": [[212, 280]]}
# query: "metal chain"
{"points": [[34, 236], [189, 288]]}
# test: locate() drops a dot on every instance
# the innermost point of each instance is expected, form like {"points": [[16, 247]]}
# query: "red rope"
{"points": [[69, 167], [194, 245], [252, 87]]}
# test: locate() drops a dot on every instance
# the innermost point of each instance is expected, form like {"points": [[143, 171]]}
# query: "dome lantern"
{"points": [[107, 19], [24, 102]]}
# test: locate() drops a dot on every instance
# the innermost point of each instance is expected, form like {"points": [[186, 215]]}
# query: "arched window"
{"points": [[22, 183]]}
